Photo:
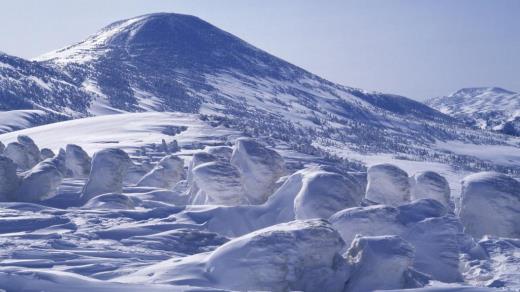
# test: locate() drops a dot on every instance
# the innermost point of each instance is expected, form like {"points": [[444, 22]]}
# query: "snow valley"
{"points": [[163, 153]]}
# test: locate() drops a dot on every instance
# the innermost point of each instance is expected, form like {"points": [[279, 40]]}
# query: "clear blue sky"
{"points": [[417, 48]]}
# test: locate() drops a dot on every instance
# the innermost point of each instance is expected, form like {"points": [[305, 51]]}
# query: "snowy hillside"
{"points": [[490, 108]]}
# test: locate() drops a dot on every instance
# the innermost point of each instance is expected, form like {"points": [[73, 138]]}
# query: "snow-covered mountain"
{"points": [[490, 108]]}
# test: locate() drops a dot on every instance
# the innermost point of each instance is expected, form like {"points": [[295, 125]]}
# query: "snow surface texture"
{"points": [[388, 184], [490, 205]]}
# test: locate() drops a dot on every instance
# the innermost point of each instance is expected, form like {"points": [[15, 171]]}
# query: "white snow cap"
{"points": [[109, 167], [431, 185], [388, 184], [77, 161], [168, 171], [259, 167], [490, 205], [324, 193]]}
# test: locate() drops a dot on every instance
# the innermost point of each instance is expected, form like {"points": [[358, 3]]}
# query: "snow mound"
{"points": [[33, 153], [46, 153], [431, 185], [381, 262], [259, 167], [387, 184], [18, 154], [219, 183], [39, 183], [9, 181], [424, 223], [299, 255], [490, 205], [111, 201], [197, 159], [221, 152], [168, 171], [324, 193], [2, 147], [106, 176], [77, 161]]}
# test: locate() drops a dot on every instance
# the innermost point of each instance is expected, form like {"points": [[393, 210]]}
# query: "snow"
{"points": [[260, 168], [168, 171], [19, 119], [77, 161], [431, 185], [490, 205], [109, 167], [8, 179], [299, 255], [18, 154], [387, 184], [39, 183]]}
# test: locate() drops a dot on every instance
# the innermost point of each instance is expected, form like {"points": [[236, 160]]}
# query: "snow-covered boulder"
{"points": [[77, 161], [388, 184], [9, 181], [218, 183], [424, 223], [168, 171], [111, 201], [431, 185], [46, 153], [106, 175], [380, 263], [33, 153], [259, 167], [39, 183], [294, 256], [490, 205], [18, 154], [324, 193]]}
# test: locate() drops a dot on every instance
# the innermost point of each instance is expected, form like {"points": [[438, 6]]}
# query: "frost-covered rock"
{"points": [[294, 256], [218, 183], [388, 184], [259, 167], [77, 161], [431, 185], [46, 153], [380, 263], [490, 205], [168, 171], [324, 193], [106, 176], [18, 154], [111, 201], [33, 153], [39, 183], [424, 223], [9, 181]]}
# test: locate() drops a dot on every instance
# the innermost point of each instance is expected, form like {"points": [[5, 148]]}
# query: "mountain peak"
{"points": [[475, 91]]}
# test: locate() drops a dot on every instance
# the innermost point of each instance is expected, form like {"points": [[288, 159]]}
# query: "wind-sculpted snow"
{"points": [[388, 184], [47, 153], [77, 161], [431, 185], [490, 205], [168, 171], [299, 255], [424, 223], [9, 181], [106, 176], [381, 263], [18, 154], [259, 168], [39, 183]]}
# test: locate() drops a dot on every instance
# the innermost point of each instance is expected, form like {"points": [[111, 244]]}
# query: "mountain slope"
{"points": [[490, 108]]}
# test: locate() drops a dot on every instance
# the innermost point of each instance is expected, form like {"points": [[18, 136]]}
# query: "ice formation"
{"points": [[106, 176], [388, 184], [490, 205], [168, 171], [259, 167], [431, 185], [77, 161]]}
